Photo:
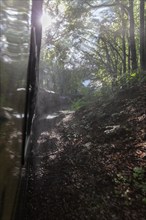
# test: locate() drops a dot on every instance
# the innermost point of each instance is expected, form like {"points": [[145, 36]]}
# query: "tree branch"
{"points": [[101, 5]]}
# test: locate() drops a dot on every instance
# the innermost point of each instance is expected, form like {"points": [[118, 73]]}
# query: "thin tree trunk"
{"points": [[129, 55], [145, 37], [142, 37], [123, 42], [35, 22], [132, 37]]}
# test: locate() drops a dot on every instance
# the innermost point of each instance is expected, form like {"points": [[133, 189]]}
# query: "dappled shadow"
{"points": [[84, 164]]}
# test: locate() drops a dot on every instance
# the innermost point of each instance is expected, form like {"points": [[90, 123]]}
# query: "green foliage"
{"points": [[85, 91], [138, 173], [137, 182], [120, 178], [144, 200], [88, 96], [139, 179], [99, 45], [133, 75], [78, 104]]}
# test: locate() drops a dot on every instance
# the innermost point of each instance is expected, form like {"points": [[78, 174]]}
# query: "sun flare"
{"points": [[46, 20]]}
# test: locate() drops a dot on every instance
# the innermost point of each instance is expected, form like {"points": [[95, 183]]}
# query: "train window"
{"points": [[14, 47]]}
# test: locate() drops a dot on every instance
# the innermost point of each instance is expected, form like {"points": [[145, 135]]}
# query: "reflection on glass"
{"points": [[14, 44]]}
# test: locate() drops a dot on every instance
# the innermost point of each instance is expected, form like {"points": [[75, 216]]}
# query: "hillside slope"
{"points": [[91, 164]]}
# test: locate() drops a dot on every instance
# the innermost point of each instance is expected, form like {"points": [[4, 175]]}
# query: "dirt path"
{"points": [[90, 164]]}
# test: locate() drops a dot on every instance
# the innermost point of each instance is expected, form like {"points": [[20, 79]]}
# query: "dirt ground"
{"points": [[90, 164]]}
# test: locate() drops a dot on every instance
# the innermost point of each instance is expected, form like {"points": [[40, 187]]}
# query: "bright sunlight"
{"points": [[46, 20]]}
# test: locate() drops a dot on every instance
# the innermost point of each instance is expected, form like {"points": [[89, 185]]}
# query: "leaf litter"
{"points": [[92, 163]]}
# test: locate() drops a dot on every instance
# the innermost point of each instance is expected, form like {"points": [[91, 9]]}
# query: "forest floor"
{"points": [[91, 164]]}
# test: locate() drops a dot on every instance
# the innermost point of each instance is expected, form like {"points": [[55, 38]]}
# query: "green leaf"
{"points": [[144, 200], [133, 74]]}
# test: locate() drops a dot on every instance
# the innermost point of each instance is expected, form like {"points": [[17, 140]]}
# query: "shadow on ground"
{"points": [[84, 165]]}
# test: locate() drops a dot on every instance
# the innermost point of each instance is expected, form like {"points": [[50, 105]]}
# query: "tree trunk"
{"points": [[36, 24], [123, 28], [129, 55], [142, 37], [132, 37], [145, 34], [123, 42]]}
